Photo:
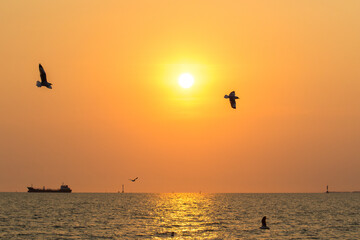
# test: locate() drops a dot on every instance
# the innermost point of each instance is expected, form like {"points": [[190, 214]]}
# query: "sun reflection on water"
{"points": [[185, 215]]}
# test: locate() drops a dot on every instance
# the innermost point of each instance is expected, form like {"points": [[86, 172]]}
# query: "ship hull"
{"points": [[39, 190]]}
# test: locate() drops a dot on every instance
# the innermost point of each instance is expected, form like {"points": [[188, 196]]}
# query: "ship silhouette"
{"points": [[63, 189]]}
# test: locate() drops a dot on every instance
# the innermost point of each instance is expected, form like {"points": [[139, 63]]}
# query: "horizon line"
{"points": [[201, 192]]}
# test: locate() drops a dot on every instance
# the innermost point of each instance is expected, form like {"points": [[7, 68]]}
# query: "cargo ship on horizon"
{"points": [[63, 189]]}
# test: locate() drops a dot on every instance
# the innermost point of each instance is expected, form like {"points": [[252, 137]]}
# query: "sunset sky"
{"points": [[116, 110]]}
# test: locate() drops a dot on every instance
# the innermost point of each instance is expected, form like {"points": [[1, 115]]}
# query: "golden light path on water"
{"points": [[186, 214]]}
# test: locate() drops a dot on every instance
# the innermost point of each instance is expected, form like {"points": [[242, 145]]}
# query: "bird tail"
{"points": [[38, 84], [226, 96]]}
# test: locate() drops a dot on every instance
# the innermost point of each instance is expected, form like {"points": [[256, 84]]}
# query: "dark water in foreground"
{"points": [[189, 216]]}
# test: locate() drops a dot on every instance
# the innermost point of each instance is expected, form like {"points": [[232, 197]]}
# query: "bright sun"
{"points": [[186, 80]]}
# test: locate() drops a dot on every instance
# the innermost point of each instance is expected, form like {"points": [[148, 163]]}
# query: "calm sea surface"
{"points": [[188, 215]]}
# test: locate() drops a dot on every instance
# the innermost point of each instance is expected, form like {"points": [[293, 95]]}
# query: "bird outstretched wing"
{"points": [[233, 103], [42, 74], [232, 94]]}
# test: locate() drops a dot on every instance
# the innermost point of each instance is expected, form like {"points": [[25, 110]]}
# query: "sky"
{"points": [[116, 110]]}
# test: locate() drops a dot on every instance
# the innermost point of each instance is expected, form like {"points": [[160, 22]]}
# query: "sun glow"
{"points": [[186, 80]]}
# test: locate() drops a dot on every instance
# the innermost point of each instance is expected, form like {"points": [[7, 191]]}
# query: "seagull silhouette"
{"points": [[43, 82], [232, 98], [133, 180]]}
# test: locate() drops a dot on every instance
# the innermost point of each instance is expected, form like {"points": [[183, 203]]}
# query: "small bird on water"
{"points": [[133, 180], [232, 98], [44, 81]]}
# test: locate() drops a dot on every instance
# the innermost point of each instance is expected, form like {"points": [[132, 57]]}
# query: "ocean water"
{"points": [[187, 215]]}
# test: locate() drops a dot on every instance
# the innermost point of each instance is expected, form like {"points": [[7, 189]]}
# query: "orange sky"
{"points": [[116, 111]]}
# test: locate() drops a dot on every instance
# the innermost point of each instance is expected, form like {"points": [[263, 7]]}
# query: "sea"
{"points": [[179, 216]]}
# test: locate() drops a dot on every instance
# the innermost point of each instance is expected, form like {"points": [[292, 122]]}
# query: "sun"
{"points": [[186, 80]]}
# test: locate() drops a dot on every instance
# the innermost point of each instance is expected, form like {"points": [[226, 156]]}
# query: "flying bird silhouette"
{"points": [[232, 98], [133, 180], [43, 82]]}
